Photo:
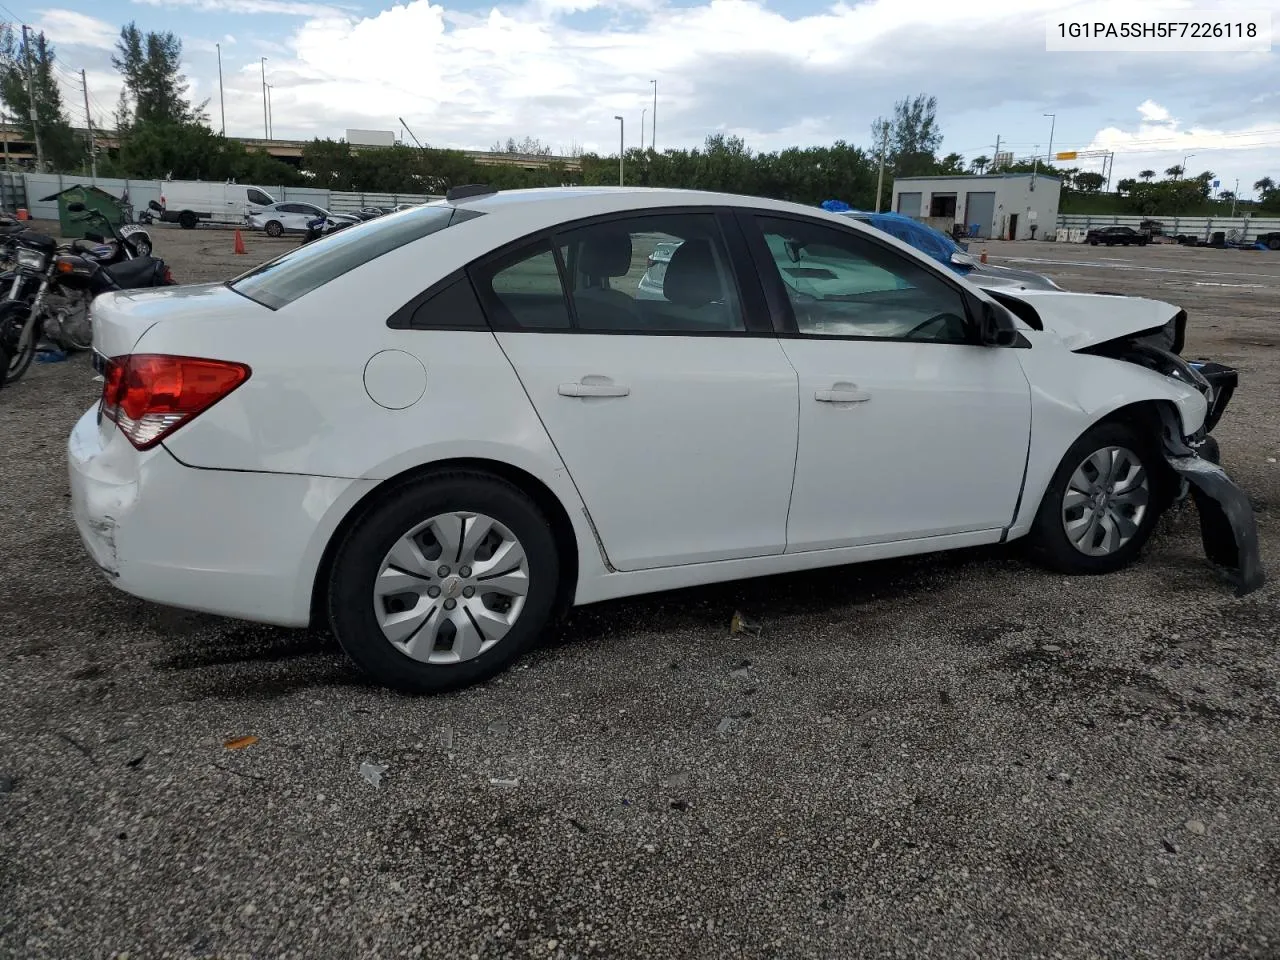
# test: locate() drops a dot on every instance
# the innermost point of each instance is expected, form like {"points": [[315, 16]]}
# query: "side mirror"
{"points": [[76, 207], [155, 206], [961, 259], [996, 327]]}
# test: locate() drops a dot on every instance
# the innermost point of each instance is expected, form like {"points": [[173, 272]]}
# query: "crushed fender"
{"points": [[1228, 527]]}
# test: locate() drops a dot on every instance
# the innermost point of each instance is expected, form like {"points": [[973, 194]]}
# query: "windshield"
{"points": [[294, 274]]}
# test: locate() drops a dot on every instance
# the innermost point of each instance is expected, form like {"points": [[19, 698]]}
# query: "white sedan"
{"points": [[289, 216], [438, 429]]}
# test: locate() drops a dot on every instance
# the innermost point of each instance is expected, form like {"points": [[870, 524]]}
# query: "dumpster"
{"points": [[94, 198]]}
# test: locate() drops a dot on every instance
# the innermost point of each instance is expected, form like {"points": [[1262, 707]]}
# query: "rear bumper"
{"points": [[243, 545]]}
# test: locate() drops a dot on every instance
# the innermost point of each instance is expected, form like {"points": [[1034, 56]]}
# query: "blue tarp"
{"points": [[923, 237]]}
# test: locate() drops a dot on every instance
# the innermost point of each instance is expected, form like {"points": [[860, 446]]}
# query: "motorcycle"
{"points": [[50, 290]]}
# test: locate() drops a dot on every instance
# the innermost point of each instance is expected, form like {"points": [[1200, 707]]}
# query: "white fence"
{"points": [[1201, 227], [41, 185]]}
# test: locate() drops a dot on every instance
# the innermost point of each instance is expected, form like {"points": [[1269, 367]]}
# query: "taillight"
{"points": [[168, 275], [150, 395]]}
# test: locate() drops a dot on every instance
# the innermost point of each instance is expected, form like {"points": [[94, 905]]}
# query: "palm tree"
{"points": [[980, 163], [1265, 185], [1175, 171], [1146, 174]]}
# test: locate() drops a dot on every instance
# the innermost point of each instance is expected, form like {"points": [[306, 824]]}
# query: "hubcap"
{"points": [[1106, 501], [451, 588]]}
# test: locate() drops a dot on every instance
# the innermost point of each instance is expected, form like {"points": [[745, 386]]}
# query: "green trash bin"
{"points": [[93, 198]]}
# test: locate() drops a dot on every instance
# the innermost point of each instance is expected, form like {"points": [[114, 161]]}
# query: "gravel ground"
{"points": [[956, 756]]}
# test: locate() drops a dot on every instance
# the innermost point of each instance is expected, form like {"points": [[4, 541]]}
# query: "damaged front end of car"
{"points": [[1228, 528]]}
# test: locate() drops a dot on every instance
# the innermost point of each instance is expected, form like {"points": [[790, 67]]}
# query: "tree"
{"points": [[978, 164], [1175, 171], [1227, 195], [528, 147], [1090, 182], [1146, 174], [150, 65], [914, 136], [1126, 185], [951, 165], [1265, 185], [62, 148]]}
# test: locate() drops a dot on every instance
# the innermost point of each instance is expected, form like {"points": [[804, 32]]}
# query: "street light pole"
{"points": [[642, 113], [653, 123], [270, 118], [266, 124], [622, 146], [1053, 122], [221, 100], [1185, 158]]}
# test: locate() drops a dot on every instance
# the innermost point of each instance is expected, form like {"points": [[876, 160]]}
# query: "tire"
{"points": [[1093, 243], [13, 315], [187, 220], [142, 247], [361, 559], [1048, 541], [1273, 243], [273, 228]]}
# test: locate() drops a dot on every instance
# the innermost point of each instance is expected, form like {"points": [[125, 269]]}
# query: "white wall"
{"points": [[1014, 195]]}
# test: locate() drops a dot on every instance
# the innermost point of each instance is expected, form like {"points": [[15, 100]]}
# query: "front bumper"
{"points": [[1228, 528], [237, 544]]}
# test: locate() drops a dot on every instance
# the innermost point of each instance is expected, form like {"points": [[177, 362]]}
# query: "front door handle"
{"points": [[589, 387], [842, 392]]}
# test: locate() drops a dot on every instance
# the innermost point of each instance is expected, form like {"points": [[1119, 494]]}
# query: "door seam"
{"points": [[586, 512]]}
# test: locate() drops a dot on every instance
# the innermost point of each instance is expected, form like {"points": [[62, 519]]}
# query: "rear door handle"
{"points": [[591, 389], [842, 393]]}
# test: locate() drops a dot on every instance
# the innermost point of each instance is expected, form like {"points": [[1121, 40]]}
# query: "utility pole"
{"points": [[221, 100], [653, 143], [884, 148], [1234, 196], [1035, 164], [31, 95], [8, 177], [642, 113], [266, 124], [88, 119], [1052, 123], [622, 146], [995, 157], [270, 118]]}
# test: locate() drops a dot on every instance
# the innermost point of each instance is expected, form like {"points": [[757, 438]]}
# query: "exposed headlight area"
{"points": [[31, 259]]}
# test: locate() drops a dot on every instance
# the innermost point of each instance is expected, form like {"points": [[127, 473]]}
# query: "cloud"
{"points": [[67, 28], [288, 8]]}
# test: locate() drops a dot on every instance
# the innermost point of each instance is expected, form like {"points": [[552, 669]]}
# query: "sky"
{"points": [[778, 73]]}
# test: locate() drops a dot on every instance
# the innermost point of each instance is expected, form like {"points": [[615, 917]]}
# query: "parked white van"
{"points": [[189, 202]]}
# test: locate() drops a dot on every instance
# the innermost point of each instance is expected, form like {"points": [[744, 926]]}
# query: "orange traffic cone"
{"points": [[240, 242], [981, 259]]}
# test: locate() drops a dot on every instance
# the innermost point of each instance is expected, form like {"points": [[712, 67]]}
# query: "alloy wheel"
{"points": [[1106, 501], [451, 588]]}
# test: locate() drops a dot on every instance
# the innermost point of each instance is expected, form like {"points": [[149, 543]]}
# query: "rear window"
{"points": [[286, 278]]}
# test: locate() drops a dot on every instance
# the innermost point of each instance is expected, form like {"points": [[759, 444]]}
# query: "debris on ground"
{"points": [[1195, 826], [372, 772], [445, 736], [499, 727], [504, 781], [1170, 845], [7, 783], [740, 624], [725, 725], [239, 743]]}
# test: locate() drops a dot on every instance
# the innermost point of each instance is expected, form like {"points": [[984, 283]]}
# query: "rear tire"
{"points": [[1110, 518], [187, 220], [1273, 243], [407, 595], [273, 228]]}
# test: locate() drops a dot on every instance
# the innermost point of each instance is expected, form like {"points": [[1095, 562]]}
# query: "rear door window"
{"points": [[303, 269]]}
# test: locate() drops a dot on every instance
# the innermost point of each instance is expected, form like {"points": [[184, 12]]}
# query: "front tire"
{"points": [[273, 228], [13, 317], [1102, 504], [187, 220], [444, 582]]}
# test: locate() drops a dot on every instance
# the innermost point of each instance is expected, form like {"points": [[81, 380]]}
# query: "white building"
{"points": [[1002, 205]]}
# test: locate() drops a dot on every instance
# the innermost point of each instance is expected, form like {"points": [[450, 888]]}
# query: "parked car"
{"points": [[1152, 228], [1113, 235], [290, 216], [427, 448], [369, 213], [1269, 240]]}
